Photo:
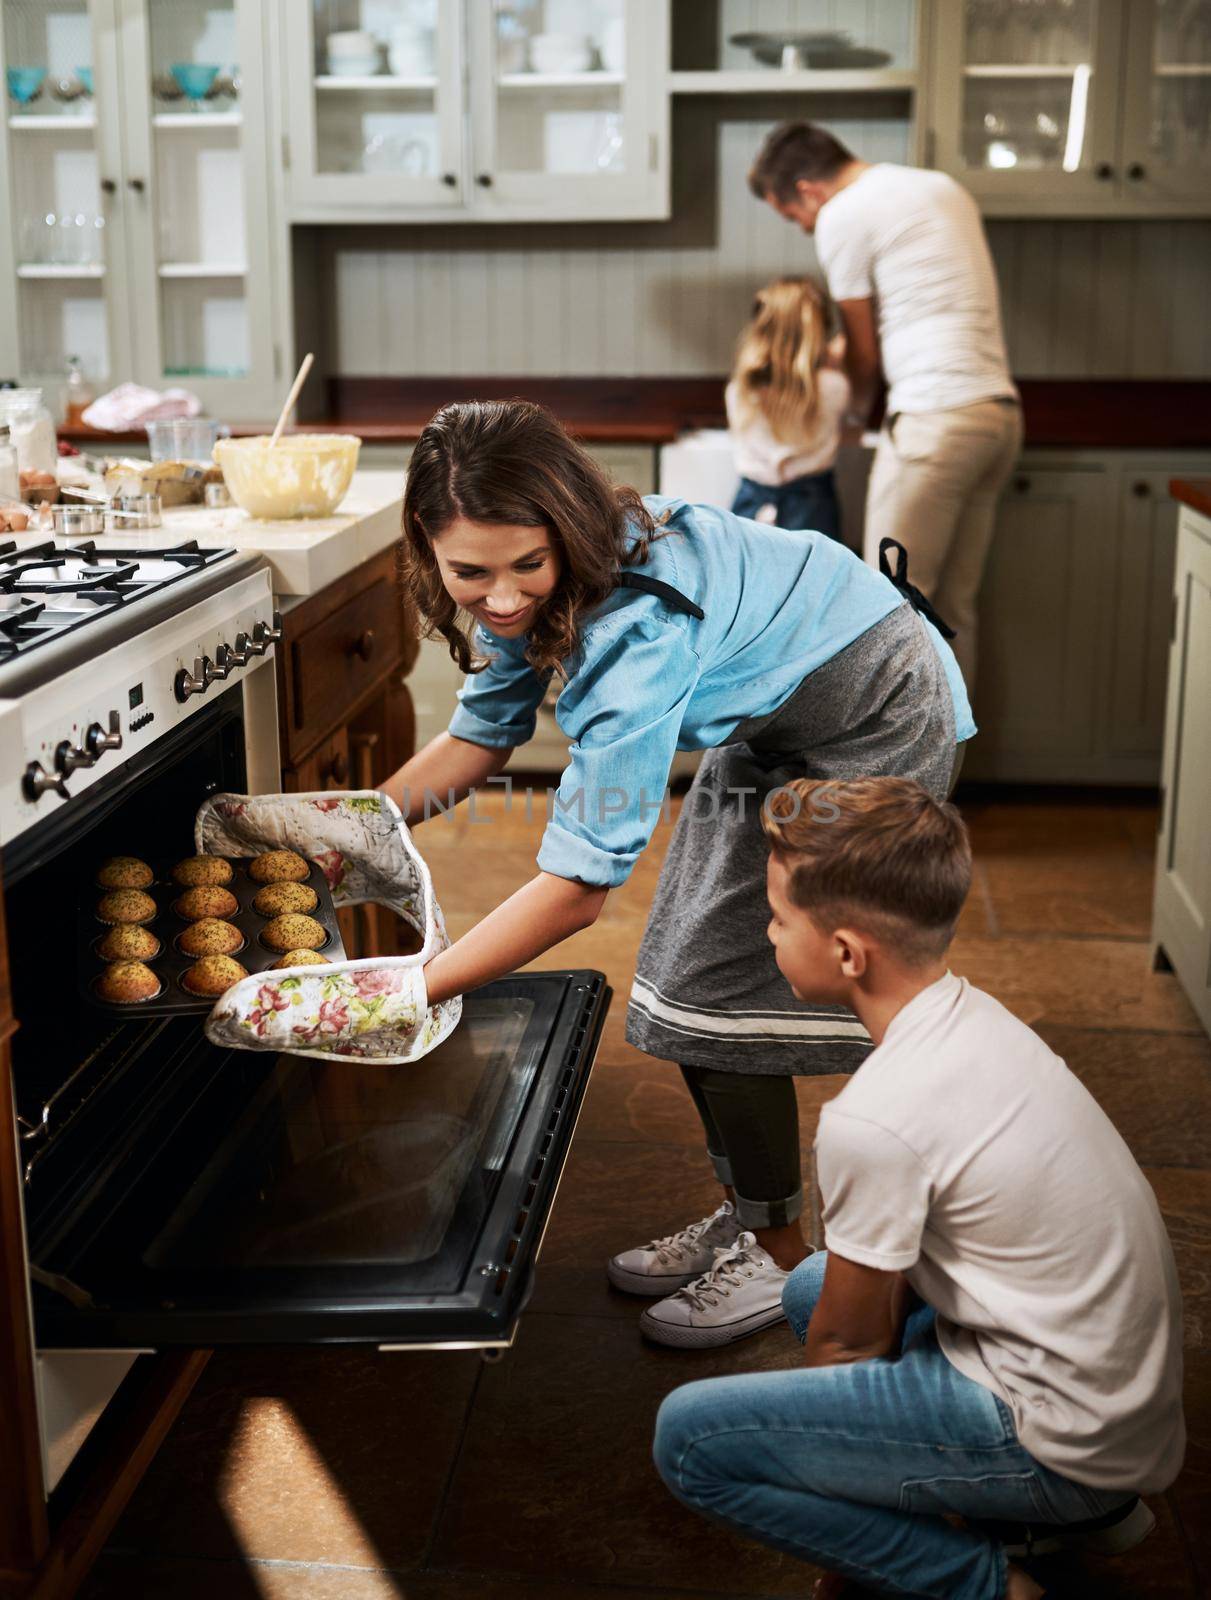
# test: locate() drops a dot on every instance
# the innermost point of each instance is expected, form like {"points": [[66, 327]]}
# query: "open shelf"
{"points": [[1014, 69], [52, 123], [202, 269], [776, 81], [559, 80], [380, 82], [54, 269], [199, 120]]}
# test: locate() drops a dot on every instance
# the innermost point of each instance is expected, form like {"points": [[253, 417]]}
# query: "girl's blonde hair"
{"points": [[778, 355]]}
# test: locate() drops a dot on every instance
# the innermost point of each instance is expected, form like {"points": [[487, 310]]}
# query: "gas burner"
{"points": [[50, 589]]}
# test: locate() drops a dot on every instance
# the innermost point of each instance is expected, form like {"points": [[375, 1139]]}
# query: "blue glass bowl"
{"points": [[194, 79], [24, 82], [85, 75]]}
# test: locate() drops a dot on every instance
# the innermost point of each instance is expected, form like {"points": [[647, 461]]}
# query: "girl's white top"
{"points": [[766, 459]]}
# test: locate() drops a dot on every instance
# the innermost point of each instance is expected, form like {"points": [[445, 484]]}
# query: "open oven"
{"points": [[180, 1194]]}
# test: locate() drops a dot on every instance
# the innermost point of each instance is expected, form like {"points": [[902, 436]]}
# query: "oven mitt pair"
{"points": [[375, 1009]]}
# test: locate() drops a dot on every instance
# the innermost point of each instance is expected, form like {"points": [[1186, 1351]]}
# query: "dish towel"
{"points": [[375, 1009]]}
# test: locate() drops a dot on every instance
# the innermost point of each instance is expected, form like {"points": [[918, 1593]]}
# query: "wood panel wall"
{"points": [[1081, 299]]}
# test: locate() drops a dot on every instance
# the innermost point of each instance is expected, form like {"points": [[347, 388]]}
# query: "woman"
{"points": [[670, 627]]}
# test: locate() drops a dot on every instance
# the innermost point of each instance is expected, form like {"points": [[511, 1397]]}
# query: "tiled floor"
{"points": [[311, 1475]]}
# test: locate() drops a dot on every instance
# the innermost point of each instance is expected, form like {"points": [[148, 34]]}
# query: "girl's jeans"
{"points": [[852, 1467], [807, 502]]}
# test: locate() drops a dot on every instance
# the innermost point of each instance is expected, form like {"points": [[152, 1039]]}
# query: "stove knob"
{"points": [[96, 739], [274, 633], [222, 664], [70, 758], [196, 682], [36, 781], [258, 644], [239, 652]]}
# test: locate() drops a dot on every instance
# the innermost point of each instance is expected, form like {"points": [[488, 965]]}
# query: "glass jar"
{"points": [[10, 485], [32, 428]]}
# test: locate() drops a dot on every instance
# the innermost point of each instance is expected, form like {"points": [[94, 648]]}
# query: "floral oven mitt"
{"points": [[375, 1009]]}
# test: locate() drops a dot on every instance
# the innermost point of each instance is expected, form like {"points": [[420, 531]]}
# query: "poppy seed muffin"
{"points": [[278, 866], [277, 898], [210, 937], [124, 872], [127, 941], [127, 981], [207, 900], [197, 871], [213, 975], [293, 932], [301, 958], [126, 905]]}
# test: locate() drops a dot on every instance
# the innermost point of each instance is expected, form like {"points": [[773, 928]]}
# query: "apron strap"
{"points": [[910, 592], [665, 591]]}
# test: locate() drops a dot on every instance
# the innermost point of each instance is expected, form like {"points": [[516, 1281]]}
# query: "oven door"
{"points": [[239, 1198], [178, 1194]]}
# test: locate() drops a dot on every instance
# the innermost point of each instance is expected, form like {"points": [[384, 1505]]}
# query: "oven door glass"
{"points": [[281, 1199]]}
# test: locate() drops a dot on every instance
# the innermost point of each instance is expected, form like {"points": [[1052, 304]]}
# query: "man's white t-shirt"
{"points": [[966, 1155], [912, 241]]}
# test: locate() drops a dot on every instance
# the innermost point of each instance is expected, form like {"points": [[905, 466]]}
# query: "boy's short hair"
{"points": [[880, 853], [795, 150]]}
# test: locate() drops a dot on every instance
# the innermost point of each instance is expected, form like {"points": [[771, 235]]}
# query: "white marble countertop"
{"points": [[306, 555]]}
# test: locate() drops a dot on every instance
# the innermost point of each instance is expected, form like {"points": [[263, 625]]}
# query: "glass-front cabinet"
{"points": [[476, 109], [135, 186], [1093, 107]]}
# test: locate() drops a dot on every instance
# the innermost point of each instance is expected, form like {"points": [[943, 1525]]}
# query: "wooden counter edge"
{"points": [[1192, 492]]}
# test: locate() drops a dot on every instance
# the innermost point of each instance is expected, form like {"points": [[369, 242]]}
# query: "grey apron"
{"points": [[707, 991]]}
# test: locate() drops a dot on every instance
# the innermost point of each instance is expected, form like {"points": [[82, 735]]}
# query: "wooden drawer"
{"points": [[334, 664]]}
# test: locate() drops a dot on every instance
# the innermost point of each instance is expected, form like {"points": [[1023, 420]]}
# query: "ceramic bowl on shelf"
{"points": [[195, 78], [25, 82], [85, 75], [354, 67], [560, 53], [303, 475]]}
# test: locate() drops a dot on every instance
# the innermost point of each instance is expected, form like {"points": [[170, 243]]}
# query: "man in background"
{"points": [[907, 263]]}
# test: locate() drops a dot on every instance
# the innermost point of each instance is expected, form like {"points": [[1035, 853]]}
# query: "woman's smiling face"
{"points": [[500, 573]]}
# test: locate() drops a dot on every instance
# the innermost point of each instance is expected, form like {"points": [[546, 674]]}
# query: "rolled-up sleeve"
{"points": [[498, 707], [623, 711]]}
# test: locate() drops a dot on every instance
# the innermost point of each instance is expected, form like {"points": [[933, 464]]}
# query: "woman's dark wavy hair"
{"points": [[510, 462]]}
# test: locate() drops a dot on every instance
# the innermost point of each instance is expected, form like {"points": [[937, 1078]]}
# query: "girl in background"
{"points": [[785, 403]]}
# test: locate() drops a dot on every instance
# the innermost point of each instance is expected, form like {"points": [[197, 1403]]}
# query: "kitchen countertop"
{"points": [[307, 554], [1192, 492]]}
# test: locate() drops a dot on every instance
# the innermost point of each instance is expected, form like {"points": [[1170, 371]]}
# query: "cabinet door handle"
{"points": [[1140, 490], [1021, 484], [363, 645], [1104, 171], [484, 179], [137, 184], [1136, 171], [109, 186], [450, 180], [338, 768]]}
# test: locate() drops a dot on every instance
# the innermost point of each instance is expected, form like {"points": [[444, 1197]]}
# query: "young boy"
{"points": [[995, 1329]]}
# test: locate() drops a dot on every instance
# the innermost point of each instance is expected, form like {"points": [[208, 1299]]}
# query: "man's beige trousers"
{"points": [[934, 487]]}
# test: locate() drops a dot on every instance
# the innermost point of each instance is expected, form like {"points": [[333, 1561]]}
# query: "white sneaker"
{"points": [[741, 1294], [665, 1264]]}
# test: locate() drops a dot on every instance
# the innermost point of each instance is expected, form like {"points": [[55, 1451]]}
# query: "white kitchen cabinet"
{"points": [[455, 114], [1141, 614], [138, 234], [1041, 606], [1073, 107], [1181, 910]]}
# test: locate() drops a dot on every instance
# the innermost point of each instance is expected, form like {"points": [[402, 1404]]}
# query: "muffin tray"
{"points": [[172, 963]]}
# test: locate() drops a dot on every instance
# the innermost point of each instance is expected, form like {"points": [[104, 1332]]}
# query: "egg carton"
{"points": [[172, 963]]}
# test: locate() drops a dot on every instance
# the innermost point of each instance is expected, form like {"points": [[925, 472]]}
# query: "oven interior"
{"points": [[179, 1193]]}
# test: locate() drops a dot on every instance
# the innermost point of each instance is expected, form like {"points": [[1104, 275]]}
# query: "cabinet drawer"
{"points": [[333, 665]]}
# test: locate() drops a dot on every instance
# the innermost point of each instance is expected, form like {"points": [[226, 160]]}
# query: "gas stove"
{"points": [[105, 649]]}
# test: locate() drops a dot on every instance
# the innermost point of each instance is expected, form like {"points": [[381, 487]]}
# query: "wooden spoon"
{"points": [[300, 379]]}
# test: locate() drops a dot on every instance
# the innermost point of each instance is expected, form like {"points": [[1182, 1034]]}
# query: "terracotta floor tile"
{"points": [[1070, 897], [1155, 1088], [555, 1476], [116, 1578], [1084, 983], [305, 1456]]}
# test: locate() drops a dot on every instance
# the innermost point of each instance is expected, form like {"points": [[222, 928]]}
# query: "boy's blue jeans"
{"points": [[852, 1467]]}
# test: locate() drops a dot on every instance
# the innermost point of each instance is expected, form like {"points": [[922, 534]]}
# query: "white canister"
{"points": [[412, 51], [32, 429]]}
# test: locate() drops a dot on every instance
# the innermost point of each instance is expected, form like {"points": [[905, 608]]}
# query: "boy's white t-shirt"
{"points": [[912, 241], [966, 1155], [766, 459]]}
